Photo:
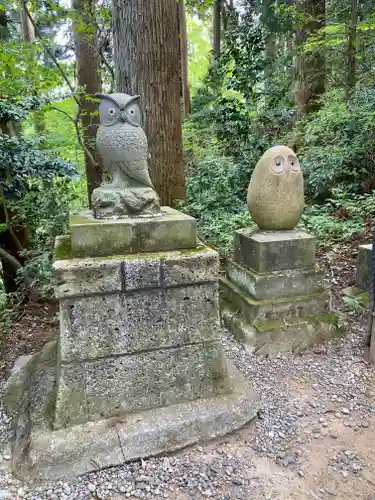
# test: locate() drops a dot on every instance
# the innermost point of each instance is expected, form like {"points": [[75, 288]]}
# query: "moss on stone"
{"points": [[63, 247], [75, 219], [152, 255], [268, 325], [331, 318]]}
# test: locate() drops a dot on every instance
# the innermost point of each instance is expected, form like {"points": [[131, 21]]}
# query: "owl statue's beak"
{"points": [[123, 117]]}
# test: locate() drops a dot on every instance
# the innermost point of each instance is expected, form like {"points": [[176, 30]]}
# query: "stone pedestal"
{"points": [[138, 367], [363, 274], [273, 297]]}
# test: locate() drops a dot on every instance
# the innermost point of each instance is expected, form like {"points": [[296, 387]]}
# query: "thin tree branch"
{"points": [[75, 122], [71, 88], [10, 259]]}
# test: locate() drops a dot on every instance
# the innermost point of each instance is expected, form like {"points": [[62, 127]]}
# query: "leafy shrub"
{"points": [[338, 145], [217, 198], [343, 217]]}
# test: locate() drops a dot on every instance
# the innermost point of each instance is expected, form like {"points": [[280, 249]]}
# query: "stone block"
{"points": [[259, 310], [91, 237], [77, 277], [363, 274], [93, 276], [140, 273], [71, 399], [122, 385], [63, 454], [117, 324], [289, 283], [270, 251], [280, 337], [191, 267], [69, 452], [32, 386]]}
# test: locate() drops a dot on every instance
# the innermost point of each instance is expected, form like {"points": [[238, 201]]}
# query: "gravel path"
{"points": [[314, 438]]}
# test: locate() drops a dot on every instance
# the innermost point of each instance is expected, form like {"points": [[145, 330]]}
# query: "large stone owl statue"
{"points": [[122, 143], [275, 196], [121, 139]]}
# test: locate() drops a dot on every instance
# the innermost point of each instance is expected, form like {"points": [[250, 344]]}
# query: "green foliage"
{"points": [[343, 217], [44, 210], [23, 165], [215, 195], [356, 302], [337, 147]]}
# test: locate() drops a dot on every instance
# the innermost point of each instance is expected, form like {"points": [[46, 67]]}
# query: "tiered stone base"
{"points": [[138, 367], [272, 297], [45, 454]]}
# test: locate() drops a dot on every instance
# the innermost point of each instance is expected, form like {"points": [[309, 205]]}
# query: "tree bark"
{"points": [[146, 54], [217, 28], [184, 58], [351, 50], [309, 67], [90, 82]]}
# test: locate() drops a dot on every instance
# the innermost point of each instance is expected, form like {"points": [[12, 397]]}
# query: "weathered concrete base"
{"points": [[172, 230], [66, 453], [272, 297], [280, 337]]}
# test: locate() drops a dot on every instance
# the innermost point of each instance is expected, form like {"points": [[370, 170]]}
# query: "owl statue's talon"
{"points": [[123, 145]]}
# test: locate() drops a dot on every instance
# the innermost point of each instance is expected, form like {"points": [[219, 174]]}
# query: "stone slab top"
{"points": [[269, 251], [265, 236], [172, 230], [124, 273]]}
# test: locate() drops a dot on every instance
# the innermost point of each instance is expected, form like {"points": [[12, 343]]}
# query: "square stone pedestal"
{"points": [[363, 274], [272, 297], [138, 367]]}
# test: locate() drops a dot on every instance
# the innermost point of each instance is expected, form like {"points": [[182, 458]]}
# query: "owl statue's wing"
{"points": [[138, 171], [134, 161]]}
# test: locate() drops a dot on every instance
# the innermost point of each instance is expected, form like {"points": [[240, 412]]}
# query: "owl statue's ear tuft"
{"points": [[101, 96]]}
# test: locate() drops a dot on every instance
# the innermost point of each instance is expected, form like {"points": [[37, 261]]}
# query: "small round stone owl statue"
{"points": [[275, 196], [122, 143]]}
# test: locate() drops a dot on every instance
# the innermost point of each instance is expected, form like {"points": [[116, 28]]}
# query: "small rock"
{"points": [[345, 473], [91, 487], [237, 481], [301, 473], [345, 411], [333, 434]]}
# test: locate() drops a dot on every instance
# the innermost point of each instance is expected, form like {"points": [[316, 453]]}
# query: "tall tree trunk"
{"points": [[267, 19], [184, 58], [351, 50], [146, 53], [217, 28], [90, 82], [309, 67]]}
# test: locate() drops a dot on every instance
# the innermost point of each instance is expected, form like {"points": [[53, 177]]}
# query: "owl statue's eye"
{"points": [[293, 162], [111, 112], [131, 111], [277, 166]]}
